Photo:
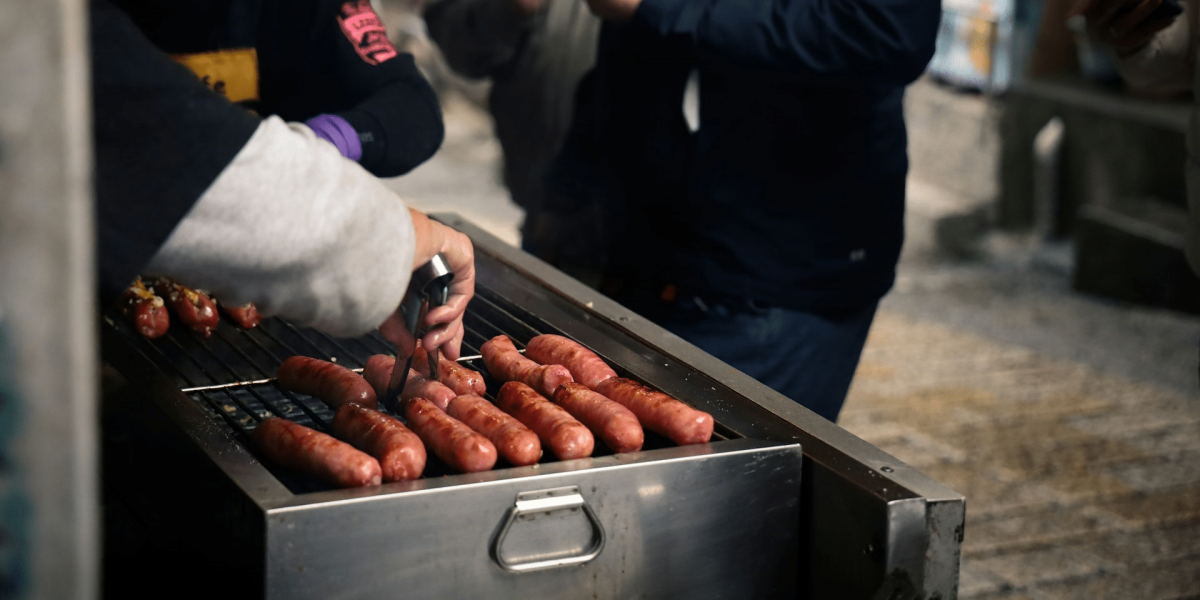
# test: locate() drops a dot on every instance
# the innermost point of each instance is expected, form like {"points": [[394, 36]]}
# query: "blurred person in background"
{"points": [[747, 162], [233, 142], [1156, 53], [534, 52]]}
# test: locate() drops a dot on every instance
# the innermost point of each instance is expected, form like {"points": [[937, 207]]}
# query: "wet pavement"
{"points": [[1071, 423]]}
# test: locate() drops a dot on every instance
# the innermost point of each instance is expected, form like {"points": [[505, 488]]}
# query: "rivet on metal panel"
{"points": [[886, 469]]}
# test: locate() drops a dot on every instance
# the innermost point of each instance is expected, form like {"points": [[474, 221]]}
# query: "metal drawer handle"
{"points": [[547, 502]]}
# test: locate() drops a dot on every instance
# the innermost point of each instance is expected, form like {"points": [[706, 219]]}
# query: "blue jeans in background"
{"points": [[808, 357]]}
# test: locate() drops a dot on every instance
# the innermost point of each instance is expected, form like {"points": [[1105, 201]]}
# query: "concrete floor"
{"points": [[1071, 423]]}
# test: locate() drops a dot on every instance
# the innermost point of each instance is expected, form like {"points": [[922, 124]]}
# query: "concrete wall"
{"points": [[48, 429]]}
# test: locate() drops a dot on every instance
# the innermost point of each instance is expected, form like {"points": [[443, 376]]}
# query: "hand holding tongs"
{"points": [[429, 288]]}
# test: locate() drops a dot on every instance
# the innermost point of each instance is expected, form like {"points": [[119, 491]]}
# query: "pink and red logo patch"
{"points": [[365, 31]]}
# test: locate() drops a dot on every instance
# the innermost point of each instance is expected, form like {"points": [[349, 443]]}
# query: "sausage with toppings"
{"points": [[146, 310], [246, 316], [193, 307], [566, 436], [585, 366], [614, 424], [299, 448], [506, 363], [513, 440], [659, 412], [451, 440], [330, 383], [400, 452]]}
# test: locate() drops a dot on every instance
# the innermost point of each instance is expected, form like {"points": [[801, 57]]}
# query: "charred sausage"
{"points": [[585, 366], [400, 452], [451, 373], [330, 383], [145, 309], [299, 448], [506, 363], [457, 445], [193, 307], [659, 412], [378, 372], [566, 436], [614, 424], [514, 441]]}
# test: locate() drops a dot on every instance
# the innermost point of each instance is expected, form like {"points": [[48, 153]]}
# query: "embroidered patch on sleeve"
{"points": [[365, 31], [233, 73]]}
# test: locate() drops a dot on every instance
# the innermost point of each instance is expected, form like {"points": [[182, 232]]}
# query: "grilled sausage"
{"points": [[513, 440], [330, 383], [378, 372], [193, 307], [614, 424], [400, 452], [506, 363], [246, 316], [451, 440], [585, 366], [299, 448], [659, 412], [456, 376], [145, 310], [566, 436]]}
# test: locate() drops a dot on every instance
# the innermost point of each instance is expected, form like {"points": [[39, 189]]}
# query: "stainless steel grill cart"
{"points": [[781, 504]]}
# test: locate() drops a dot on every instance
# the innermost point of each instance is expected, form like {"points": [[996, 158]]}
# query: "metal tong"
{"points": [[429, 288]]}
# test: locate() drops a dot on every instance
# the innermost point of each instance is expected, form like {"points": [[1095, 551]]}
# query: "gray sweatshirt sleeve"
{"points": [[299, 230]]}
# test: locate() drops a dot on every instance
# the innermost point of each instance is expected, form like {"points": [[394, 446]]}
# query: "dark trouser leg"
{"points": [[807, 357]]}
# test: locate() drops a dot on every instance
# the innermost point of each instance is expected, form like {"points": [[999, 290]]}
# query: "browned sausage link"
{"points": [[506, 363], [246, 316], [451, 440], [517, 443], [145, 310], [585, 366], [461, 379], [400, 452], [193, 307], [378, 373], [330, 383], [566, 436], [299, 448], [616, 425], [455, 376], [659, 412], [420, 387]]}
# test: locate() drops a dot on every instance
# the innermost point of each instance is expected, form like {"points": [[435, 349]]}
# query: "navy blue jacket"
{"points": [[791, 192], [162, 136]]}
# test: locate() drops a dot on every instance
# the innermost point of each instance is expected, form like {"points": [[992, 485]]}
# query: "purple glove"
{"points": [[337, 131]]}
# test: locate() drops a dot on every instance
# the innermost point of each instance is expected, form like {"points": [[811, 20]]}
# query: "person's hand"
{"points": [[444, 322], [614, 10], [1126, 25]]}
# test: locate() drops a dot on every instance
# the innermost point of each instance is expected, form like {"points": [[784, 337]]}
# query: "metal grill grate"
{"points": [[231, 375]]}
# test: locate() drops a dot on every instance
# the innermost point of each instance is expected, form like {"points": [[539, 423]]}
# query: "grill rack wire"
{"points": [[231, 375]]}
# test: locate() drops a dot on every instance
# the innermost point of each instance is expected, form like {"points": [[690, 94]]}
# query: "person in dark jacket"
{"points": [[237, 150], [534, 52], [762, 217]]}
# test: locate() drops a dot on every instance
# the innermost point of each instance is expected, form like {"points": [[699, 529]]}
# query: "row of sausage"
{"points": [[145, 304], [558, 395]]}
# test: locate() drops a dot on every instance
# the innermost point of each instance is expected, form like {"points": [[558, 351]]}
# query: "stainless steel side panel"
{"points": [[871, 526], [693, 523]]}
